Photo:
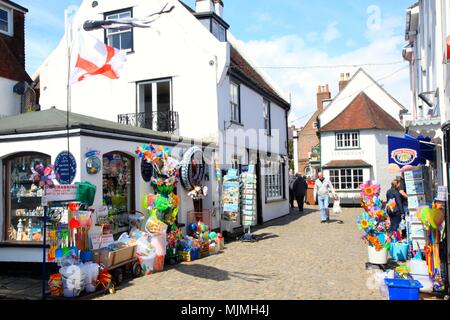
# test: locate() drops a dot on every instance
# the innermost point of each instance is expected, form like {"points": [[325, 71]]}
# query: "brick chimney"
{"points": [[323, 93], [204, 6], [343, 81]]}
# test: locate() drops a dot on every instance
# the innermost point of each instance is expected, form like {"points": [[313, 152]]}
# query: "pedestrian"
{"points": [[292, 178], [323, 188], [402, 190], [300, 188], [396, 215]]}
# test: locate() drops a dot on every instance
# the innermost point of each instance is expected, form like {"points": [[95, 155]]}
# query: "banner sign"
{"points": [[403, 153], [60, 193]]}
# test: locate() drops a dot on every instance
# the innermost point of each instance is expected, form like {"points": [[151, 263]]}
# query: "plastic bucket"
{"points": [[399, 251], [86, 256], [377, 257], [400, 289]]}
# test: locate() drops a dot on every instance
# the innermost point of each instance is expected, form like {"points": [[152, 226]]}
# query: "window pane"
{"points": [[114, 41], [3, 26], [3, 15], [126, 41]]}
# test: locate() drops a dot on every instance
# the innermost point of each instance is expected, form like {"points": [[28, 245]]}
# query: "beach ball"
{"points": [[213, 235], [203, 227]]}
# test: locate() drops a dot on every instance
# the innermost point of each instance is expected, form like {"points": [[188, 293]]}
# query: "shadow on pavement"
{"points": [[215, 274]]}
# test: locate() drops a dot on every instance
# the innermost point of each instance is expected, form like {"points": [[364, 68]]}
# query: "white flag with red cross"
{"points": [[95, 58]]}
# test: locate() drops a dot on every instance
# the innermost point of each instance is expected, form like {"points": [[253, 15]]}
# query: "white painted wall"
{"points": [[177, 46], [10, 103], [361, 82]]}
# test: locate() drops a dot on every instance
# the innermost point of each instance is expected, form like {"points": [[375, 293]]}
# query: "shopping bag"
{"points": [[337, 207]]}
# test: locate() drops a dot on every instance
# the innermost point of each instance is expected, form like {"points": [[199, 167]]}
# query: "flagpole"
{"points": [[68, 27]]}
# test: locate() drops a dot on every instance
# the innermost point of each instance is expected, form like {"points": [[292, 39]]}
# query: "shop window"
{"points": [[274, 181], [24, 214], [347, 179], [117, 38], [118, 189], [5, 20], [347, 140]]}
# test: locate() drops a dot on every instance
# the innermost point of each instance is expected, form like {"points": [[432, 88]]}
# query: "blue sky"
{"points": [[282, 33]]}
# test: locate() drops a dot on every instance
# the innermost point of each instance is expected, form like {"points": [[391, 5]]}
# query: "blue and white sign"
{"points": [[65, 168], [404, 152]]}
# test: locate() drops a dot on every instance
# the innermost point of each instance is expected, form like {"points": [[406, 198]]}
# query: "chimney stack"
{"points": [[323, 93], [218, 7], [204, 6], [343, 81]]}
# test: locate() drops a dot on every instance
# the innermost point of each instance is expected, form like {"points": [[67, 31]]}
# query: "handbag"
{"points": [[337, 207]]}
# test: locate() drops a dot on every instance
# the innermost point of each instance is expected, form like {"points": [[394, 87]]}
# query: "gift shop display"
{"points": [[118, 190], [27, 178], [375, 223]]}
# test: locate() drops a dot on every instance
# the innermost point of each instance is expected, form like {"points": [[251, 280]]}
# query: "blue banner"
{"points": [[404, 152]]}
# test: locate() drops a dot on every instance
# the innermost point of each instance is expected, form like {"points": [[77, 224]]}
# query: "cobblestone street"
{"points": [[297, 258]]}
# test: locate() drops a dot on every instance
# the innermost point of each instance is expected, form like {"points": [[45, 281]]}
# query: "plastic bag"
{"points": [[158, 242], [147, 262], [337, 207], [144, 246], [153, 225], [124, 238], [91, 271]]}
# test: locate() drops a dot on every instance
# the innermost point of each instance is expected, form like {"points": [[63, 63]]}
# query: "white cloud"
{"points": [[331, 33], [291, 50]]}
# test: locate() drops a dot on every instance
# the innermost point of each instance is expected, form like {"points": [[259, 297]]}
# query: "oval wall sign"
{"points": [[65, 168]]}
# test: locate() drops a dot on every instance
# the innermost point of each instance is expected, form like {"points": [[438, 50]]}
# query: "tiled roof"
{"points": [[347, 164], [10, 67], [363, 113], [243, 68]]}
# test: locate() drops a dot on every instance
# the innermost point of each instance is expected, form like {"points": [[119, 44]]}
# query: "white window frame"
{"points": [[348, 140], [235, 104], [9, 12], [336, 178], [113, 32], [154, 84], [274, 181]]}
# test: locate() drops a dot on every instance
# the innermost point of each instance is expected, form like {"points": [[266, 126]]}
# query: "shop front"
{"points": [[94, 151]]}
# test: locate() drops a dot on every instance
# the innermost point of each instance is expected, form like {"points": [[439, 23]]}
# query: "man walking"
{"points": [[292, 178], [300, 188], [322, 190]]}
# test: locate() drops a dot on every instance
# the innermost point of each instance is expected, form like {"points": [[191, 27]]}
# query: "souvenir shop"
{"points": [[413, 257], [113, 200]]}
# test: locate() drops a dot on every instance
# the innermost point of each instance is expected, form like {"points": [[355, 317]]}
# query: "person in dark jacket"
{"points": [[292, 178], [397, 214], [300, 188]]}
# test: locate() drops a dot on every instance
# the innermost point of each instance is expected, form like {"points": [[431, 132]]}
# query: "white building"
{"points": [[353, 136], [14, 81], [186, 75]]}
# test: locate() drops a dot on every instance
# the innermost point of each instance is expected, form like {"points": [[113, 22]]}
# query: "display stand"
{"points": [[248, 203]]}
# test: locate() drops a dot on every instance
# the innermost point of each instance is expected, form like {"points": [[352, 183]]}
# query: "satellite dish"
{"points": [[20, 88]]}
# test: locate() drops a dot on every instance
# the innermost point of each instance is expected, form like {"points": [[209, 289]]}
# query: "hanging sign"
{"points": [[93, 162], [403, 154], [146, 170], [65, 167]]}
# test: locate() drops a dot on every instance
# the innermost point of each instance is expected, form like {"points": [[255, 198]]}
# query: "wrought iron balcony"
{"points": [[162, 121]]}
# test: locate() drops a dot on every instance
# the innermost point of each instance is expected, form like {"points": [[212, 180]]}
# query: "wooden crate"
{"points": [[112, 258]]}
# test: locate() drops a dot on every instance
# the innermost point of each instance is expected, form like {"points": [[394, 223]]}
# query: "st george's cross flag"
{"points": [[96, 58]]}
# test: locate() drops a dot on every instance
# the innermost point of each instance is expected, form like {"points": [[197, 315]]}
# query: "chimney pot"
{"points": [[204, 6], [322, 94]]}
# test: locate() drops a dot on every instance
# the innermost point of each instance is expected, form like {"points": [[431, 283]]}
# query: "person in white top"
{"points": [[322, 190]]}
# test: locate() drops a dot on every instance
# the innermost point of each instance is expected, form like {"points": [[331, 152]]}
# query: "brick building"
{"points": [[12, 59]]}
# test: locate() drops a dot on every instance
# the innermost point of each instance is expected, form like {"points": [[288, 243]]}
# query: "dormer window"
{"points": [[6, 21], [219, 31]]}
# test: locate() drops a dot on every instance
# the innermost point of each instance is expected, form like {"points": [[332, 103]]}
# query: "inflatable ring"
{"points": [[191, 173]]}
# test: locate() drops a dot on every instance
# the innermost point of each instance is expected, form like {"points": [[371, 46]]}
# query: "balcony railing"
{"points": [[162, 121]]}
